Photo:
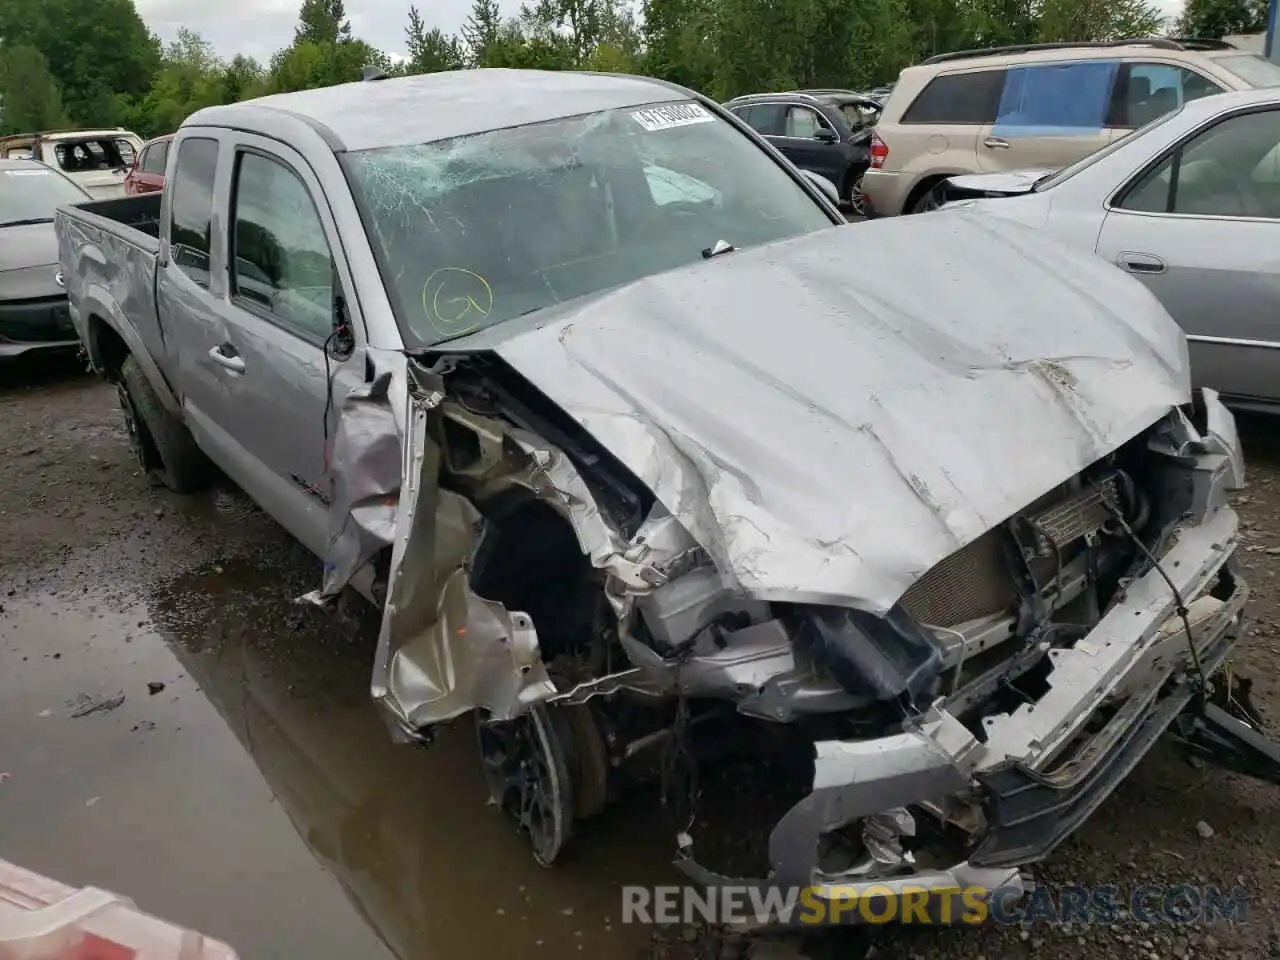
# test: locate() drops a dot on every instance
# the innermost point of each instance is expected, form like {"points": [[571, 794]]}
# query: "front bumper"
{"points": [[1135, 657], [44, 323]]}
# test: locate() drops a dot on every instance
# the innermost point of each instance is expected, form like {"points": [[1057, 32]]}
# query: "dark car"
{"points": [[827, 132], [33, 303]]}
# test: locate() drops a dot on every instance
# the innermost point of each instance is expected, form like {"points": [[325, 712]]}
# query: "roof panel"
{"points": [[436, 106]]}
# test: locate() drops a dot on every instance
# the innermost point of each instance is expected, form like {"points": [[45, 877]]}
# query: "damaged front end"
{"points": [[949, 740]]}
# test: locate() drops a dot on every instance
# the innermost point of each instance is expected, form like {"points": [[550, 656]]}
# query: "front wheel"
{"points": [[162, 445]]}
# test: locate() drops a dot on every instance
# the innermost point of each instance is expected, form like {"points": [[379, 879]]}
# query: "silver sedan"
{"points": [[1190, 205]]}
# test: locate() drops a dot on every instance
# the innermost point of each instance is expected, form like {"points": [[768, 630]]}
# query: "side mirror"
{"points": [[826, 186], [826, 135]]}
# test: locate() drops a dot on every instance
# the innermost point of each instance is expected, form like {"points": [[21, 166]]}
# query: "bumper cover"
{"points": [[40, 324], [1136, 653]]}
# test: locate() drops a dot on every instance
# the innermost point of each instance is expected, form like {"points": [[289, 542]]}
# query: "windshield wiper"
{"points": [[720, 247], [24, 223]]}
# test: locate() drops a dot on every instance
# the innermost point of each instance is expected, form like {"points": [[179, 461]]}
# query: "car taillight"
{"points": [[879, 151]]}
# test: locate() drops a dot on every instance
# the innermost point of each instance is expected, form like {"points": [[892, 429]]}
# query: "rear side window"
{"points": [[154, 158], [968, 98], [1145, 91], [1056, 99], [191, 205]]}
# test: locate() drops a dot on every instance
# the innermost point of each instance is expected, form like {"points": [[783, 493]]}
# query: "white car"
{"points": [[1188, 204], [97, 160]]}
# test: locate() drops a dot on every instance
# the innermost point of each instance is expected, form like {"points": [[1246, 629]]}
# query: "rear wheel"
{"points": [[927, 200], [163, 447], [853, 193]]}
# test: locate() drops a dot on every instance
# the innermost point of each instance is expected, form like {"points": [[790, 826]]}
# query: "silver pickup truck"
{"points": [[641, 451]]}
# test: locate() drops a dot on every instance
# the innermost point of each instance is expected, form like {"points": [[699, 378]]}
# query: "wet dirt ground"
{"points": [[246, 787]]}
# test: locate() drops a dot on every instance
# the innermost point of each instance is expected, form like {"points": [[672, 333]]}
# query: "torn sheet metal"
{"points": [[443, 650], [365, 468], [827, 435]]}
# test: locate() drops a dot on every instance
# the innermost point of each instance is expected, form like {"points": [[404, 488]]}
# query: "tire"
{"points": [[853, 193], [928, 200], [163, 446]]}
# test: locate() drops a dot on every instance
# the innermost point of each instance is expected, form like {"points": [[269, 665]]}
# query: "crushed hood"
{"points": [[1006, 184], [832, 415]]}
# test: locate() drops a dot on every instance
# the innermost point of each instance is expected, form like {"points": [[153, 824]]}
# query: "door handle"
{"points": [[1141, 263], [996, 143], [233, 361]]}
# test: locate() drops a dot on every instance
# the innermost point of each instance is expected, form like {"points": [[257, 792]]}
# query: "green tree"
{"points": [[481, 31], [322, 21], [188, 80], [100, 53], [29, 97], [241, 79], [1222, 18], [1074, 20], [430, 51], [307, 64]]}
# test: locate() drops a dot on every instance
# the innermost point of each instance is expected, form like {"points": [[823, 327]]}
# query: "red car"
{"points": [[147, 174]]}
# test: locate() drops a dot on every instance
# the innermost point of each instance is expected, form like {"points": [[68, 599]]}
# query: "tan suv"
{"points": [[1035, 106]]}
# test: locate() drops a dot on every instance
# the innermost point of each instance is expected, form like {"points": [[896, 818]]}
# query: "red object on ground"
{"points": [[41, 919]]}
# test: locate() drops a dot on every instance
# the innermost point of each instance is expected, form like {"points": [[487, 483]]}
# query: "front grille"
{"points": [[36, 321], [973, 582]]}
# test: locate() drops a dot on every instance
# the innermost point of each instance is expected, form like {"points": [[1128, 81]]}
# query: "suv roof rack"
{"points": [[1204, 43], [802, 94], [827, 90], [1160, 43]]}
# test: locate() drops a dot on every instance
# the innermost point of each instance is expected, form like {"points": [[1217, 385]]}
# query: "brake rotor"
{"points": [[527, 772]]}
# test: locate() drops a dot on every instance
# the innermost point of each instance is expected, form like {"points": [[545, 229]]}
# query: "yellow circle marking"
{"points": [[456, 300]]}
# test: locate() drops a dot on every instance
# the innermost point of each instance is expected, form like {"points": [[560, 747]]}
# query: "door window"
{"points": [[192, 207], [1229, 170], [1056, 99], [1146, 91], [153, 158], [765, 118], [960, 98], [804, 123], [282, 262]]}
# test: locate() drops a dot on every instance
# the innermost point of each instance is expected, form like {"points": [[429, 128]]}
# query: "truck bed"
{"points": [[139, 216], [107, 250]]}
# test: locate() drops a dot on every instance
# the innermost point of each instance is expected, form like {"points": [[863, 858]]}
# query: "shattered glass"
{"points": [[477, 230]]}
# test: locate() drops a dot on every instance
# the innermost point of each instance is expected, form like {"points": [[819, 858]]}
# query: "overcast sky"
{"points": [[260, 27]]}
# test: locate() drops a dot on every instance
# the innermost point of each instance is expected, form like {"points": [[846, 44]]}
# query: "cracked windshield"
{"points": [[588, 203]]}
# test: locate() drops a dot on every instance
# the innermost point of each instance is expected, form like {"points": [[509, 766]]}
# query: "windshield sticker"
{"points": [[676, 115], [27, 173]]}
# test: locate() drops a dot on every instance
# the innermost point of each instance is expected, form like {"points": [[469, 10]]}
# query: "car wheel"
{"points": [[853, 194], [929, 200], [162, 445]]}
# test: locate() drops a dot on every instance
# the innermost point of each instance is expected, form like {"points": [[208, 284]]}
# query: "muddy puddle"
{"points": [[246, 786]]}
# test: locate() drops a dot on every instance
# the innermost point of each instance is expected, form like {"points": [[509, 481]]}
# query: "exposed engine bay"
{"points": [[534, 580]]}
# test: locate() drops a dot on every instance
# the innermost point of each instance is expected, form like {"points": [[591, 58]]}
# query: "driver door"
{"points": [[285, 274]]}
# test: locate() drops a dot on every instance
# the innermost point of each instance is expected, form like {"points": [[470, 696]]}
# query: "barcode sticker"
{"points": [[672, 115]]}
